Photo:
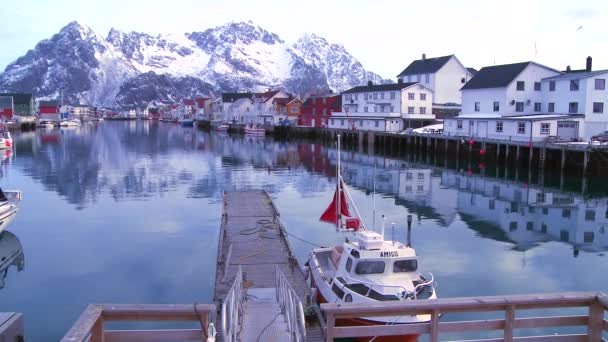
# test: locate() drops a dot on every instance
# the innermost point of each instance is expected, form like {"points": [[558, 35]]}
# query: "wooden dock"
{"points": [[253, 239]]}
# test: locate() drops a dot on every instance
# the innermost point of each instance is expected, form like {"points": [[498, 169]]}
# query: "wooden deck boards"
{"points": [[252, 237]]}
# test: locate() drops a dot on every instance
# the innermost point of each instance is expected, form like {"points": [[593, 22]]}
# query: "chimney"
{"points": [[370, 84], [589, 60], [568, 69], [399, 80], [424, 56]]}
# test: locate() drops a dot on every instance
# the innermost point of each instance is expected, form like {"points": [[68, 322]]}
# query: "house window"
{"points": [[590, 215], [551, 108], [392, 95], [491, 204], [496, 106], [408, 176], [410, 110], [588, 237], [411, 96], [417, 78], [422, 96], [375, 96], [529, 225], [498, 126], [459, 124], [519, 106], [332, 122], [477, 105], [521, 128], [294, 110], [382, 96], [573, 108], [600, 84], [536, 86], [551, 85], [377, 123], [365, 109], [356, 96], [540, 197], [426, 78], [392, 108], [360, 123], [521, 85], [574, 85], [545, 128], [513, 226], [538, 106], [422, 110], [420, 176], [341, 122], [598, 107]]}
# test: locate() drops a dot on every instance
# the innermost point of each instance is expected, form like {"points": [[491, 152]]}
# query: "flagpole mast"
{"points": [[339, 197]]}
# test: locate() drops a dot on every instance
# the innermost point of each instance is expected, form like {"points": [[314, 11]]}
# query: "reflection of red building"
{"points": [[316, 110], [314, 159]]}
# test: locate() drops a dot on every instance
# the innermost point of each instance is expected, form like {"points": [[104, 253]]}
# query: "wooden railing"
{"points": [[90, 325], [594, 321]]}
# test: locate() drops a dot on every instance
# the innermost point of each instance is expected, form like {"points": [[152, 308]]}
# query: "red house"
{"points": [[316, 110], [49, 110], [6, 107]]}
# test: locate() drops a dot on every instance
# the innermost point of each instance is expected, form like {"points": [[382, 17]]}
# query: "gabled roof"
{"points": [[53, 103], [294, 100], [19, 98], [231, 97], [576, 75], [425, 66], [473, 71], [281, 101], [497, 76], [379, 87]]}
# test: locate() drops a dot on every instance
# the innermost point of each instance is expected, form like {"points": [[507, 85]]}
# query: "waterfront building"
{"points": [[251, 108], [203, 108], [444, 76], [265, 108], [6, 107], [505, 102], [384, 107], [288, 109], [24, 105], [49, 110], [316, 110]]}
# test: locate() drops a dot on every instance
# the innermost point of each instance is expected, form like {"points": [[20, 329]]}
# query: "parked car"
{"points": [[601, 138]]}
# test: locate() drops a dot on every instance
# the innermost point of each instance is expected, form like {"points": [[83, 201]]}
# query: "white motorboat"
{"points": [[46, 124], [222, 128], [69, 123], [11, 254], [367, 268], [186, 122], [9, 206], [254, 130], [6, 140]]}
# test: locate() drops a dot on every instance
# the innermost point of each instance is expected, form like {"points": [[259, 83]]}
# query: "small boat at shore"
{"points": [[46, 124], [366, 268], [6, 140], [254, 130], [9, 206], [222, 128], [186, 122], [69, 123]]}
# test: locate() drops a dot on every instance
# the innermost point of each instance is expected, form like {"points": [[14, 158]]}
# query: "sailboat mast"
{"points": [[339, 193]]}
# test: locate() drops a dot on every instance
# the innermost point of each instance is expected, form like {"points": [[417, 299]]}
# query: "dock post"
{"points": [[497, 153], [563, 164], [507, 149], [360, 141], [530, 155], [371, 141], [445, 145], [585, 162], [517, 154]]}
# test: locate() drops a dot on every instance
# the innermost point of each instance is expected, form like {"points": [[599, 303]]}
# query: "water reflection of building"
{"points": [[529, 215], [11, 254]]}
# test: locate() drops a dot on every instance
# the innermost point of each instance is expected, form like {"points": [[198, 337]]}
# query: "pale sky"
{"points": [[384, 35]]}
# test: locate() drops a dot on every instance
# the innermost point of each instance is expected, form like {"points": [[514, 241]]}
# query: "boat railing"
{"points": [[371, 286], [422, 285], [13, 195], [589, 325], [291, 307], [90, 326], [232, 309]]}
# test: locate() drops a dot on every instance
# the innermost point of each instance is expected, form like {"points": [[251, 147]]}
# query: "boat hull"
{"points": [[186, 123], [255, 131], [7, 216]]}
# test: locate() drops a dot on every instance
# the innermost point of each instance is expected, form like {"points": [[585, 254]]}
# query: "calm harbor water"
{"points": [[128, 212]]}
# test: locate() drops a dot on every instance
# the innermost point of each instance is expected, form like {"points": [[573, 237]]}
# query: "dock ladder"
{"points": [[262, 314]]}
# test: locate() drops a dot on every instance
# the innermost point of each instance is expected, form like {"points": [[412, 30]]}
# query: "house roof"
{"points": [[189, 102], [6, 102], [231, 97], [425, 66], [53, 103], [379, 87], [19, 98], [473, 71], [576, 75], [200, 101], [496, 76], [282, 101]]}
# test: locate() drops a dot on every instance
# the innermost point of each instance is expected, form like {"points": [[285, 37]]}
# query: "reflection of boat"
{"points": [[368, 268], [69, 123], [46, 124], [186, 122], [9, 205], [6, 141], [254, 130], [11, 254]]}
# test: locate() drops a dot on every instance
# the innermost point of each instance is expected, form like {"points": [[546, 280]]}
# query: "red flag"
{"points": [[330, 214]]}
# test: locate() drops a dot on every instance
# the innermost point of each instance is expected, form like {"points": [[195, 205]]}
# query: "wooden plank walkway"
{"points": [[252, 237]]}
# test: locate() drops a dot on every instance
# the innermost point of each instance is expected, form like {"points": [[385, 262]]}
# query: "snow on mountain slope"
{"points": [[135, 69]]}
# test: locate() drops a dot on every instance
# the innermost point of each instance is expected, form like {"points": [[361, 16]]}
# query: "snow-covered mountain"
{"points": [[135, 69]]}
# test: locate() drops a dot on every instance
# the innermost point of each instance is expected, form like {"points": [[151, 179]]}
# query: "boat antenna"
{"points": [[393, 232], [383, 223], [374, 198], [339, 192]]}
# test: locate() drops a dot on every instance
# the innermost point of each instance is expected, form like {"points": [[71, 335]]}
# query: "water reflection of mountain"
{"points": [[11, 254]]}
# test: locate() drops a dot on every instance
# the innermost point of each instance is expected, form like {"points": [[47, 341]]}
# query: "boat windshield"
{"points": [[370, 267], [408, 265], [2, 196]]}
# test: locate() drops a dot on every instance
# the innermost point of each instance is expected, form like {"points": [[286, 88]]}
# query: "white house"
{"points": [[384, 107], [265, 107], [579, 92], [444, 76], [506, 102]]}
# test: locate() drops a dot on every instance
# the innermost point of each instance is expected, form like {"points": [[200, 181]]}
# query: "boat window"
{"points": [[338, 291], [409, 265], [348, 298], [349, 264], [369, 267], [354, 253]]}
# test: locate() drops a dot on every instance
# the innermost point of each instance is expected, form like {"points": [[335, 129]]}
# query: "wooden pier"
{"points": [[253, 240]]}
